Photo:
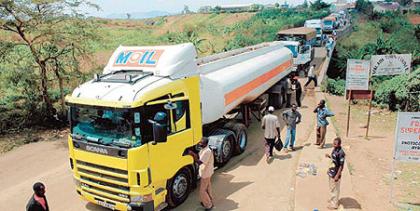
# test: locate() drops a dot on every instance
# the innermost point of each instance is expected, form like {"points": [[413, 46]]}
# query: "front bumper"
{"points": [[114, 205]]}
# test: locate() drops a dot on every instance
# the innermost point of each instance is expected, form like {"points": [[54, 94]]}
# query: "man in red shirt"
{"points": [[38, 201]]}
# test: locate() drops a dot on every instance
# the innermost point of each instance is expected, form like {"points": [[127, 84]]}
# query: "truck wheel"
{"points": [[179, 187], [241, 136]]}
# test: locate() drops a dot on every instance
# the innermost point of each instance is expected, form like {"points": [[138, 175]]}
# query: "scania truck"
{"points": [[136, 126]]}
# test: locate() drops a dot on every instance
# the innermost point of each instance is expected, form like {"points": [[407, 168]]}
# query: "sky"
{"points": [[175, 6]]}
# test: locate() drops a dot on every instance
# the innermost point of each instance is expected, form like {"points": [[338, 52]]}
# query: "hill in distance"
{"points": [[138, 15]]}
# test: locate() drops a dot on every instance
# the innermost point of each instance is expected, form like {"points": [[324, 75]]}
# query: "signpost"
{"points": [[407, 137], [357, 75], [357, 79], [392, 64], [407, 141]]}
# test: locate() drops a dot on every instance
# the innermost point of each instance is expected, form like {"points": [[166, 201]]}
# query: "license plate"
{"points": [[104, 204]]}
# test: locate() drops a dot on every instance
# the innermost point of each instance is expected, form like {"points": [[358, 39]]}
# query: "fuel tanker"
{"points": [[135, 126]]}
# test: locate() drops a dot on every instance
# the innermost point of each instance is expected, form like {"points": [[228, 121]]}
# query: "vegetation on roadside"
{"points": [[376, 34], [45, 40]]}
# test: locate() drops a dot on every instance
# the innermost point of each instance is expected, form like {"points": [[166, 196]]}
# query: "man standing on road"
{"points": [[270, 124], [291, 117], [311, 76], [337, 157], [206, 170], [289, 92], [298, 90], [38, 201], [321, 115]]}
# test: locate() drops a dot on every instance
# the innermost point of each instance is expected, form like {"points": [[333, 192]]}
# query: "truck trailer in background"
{"points": [[317, 25], [300, 41], [134, 127]]}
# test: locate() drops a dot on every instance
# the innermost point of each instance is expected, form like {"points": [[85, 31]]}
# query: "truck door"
{"points": [[167, 158]]}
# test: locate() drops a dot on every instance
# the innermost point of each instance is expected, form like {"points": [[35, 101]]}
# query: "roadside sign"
{"points": [[360, 94], [407, 138], [357, 76], [392, 64]]}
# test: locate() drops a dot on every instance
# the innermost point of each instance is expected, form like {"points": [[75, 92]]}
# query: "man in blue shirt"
{"points": [[321, 126]]}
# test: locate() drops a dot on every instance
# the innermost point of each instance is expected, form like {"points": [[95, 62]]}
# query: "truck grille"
{"points": [[102, 181]]}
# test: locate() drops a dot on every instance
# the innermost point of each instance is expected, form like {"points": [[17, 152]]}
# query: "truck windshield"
{"points": [[105, 126], [294, 50], [328, 22]]}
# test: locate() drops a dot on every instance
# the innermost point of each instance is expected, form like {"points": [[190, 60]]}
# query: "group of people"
{"points": [[271, 125]]}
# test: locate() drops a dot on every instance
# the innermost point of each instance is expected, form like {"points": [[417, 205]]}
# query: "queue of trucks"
{"points": [[133, 127]]}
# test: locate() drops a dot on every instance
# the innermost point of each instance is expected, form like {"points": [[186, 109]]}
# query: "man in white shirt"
{"points": [[206, 170], [270, 124], [311, 76]]}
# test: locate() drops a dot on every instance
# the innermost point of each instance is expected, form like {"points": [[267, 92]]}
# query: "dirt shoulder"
{"points": [[370, 160]]}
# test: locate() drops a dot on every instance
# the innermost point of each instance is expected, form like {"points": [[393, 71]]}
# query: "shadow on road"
{"points": [[94, 207], [350, 203]]}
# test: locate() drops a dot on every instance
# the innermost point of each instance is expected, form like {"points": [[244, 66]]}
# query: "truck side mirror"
{"points": [[160, 132]]}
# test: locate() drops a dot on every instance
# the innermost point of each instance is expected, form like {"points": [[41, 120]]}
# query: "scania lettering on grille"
{"points": [[97, 149]]}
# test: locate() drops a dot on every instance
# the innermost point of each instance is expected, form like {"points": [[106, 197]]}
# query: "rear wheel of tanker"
{"points": [[179, 187], [241, 136]]}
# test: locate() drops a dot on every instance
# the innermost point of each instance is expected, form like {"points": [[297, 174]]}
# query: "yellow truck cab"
{"points": [[134, 127]]}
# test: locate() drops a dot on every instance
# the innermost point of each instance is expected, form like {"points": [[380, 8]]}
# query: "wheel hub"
{"points": [[180, 186]]}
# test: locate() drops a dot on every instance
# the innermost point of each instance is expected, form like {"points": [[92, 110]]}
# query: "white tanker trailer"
{"points": [[138, 122]]}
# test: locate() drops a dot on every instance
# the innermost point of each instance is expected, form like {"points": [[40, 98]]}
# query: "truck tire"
{"points": [[226, 146], [241, 139], [179, 187]]}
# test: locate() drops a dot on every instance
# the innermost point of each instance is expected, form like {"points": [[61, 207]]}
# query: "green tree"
{"points": [[319, 5], [54, 32]]}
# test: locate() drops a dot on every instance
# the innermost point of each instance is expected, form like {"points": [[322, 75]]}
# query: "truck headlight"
{"points": [[145, 198], [136, 199]]}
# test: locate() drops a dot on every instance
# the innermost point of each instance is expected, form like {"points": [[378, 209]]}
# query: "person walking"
{"points": [[321, 114], [206, 170], [38, 201], [334, 173], [297, 87], [311, 77], [291, 117], [289, 92], [270, 124]]}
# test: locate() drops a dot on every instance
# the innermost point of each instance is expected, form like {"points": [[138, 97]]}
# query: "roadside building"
{"points": [[383, 7]]}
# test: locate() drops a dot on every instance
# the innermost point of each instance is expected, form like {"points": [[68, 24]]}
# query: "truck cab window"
{"points": [[149, 112], [181, 116]]}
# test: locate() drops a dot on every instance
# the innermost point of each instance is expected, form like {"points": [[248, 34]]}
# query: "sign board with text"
{"points": [[392, 64], [407, 138], [357, 76]]}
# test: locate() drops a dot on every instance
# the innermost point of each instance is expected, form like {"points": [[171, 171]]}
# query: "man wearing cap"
{"points": [[270, 124], [38, 201], [321, 126]]}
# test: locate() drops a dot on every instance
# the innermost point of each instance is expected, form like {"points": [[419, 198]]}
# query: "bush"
{"points": [[335, 87], [401, 92]]}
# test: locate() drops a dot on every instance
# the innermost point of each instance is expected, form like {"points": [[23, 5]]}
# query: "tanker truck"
{"points": [[135, 127]]}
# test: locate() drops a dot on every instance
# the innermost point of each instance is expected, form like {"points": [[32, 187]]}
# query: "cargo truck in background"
{"points": [[317, 25], [134, 127], [329, 24], [300, 41]]}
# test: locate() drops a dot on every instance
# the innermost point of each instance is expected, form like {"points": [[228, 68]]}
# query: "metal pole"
{"points": [[370, 108], [348, 115], [391, 195]]}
